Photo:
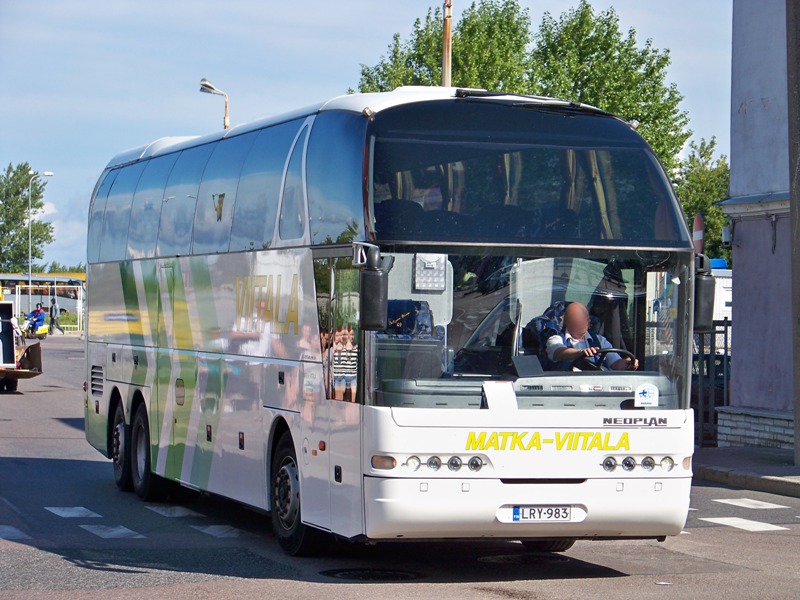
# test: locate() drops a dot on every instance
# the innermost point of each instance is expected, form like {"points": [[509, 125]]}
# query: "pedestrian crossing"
{"points": [[745, 524], [118, 531]]}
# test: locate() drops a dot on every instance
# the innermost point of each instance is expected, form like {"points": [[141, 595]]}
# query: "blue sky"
{"points": [[85, 79]]}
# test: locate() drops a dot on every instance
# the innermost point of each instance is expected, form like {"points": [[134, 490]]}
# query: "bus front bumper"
{"points": [[476, 508]]}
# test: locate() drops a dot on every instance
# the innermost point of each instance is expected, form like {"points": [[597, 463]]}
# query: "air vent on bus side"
{"points": [[97, 380]]}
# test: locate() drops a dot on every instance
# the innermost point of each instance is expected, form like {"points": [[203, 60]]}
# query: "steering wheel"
{"points": [[584, 363]]}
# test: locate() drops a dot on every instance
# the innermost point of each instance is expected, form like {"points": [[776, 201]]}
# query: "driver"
{"points": [[577, 342]]}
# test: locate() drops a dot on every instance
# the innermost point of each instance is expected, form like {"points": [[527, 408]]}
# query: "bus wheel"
{"points": [[556, 545], [11, 385], [146, 484], [293, 537], [120, 451]]}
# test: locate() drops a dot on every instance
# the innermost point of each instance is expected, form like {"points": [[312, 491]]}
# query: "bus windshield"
{"points": [[458, 320], [512, 174]]}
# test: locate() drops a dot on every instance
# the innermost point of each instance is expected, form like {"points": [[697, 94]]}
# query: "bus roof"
{"points": [[361, 103]]}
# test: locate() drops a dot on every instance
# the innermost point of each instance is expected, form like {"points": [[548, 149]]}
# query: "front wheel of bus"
{"points": [[555, 545], [145, 483], [294, 538], [120, 451]]}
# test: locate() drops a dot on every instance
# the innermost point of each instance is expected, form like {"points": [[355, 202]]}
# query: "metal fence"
{"points": [[711, 374]]}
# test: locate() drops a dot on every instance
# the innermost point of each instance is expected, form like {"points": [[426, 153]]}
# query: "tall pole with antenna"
{"points": [[447, 48]]}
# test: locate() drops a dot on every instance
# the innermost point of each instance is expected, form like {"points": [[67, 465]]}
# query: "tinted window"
{"points": [[293, 202], [259, 187], [217, 196], [114, 244], [334, 167], [508, 173], [96, 217], [180, 199], [146, 208]]}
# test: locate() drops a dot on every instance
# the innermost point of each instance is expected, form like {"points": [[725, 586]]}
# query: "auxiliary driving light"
{"points": [[454, 464], [475, 463], [628, 463], [610, 463], [413, 462], [667, 463], [648, 463], [434, 463]]}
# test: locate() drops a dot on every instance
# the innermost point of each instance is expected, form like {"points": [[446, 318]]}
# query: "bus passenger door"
{"points": [[346, 472]]}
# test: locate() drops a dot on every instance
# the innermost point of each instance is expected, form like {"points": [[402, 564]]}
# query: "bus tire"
{"points": [[11, 385], [294, 538], [555, 545], [147, 485], [120, 450]]}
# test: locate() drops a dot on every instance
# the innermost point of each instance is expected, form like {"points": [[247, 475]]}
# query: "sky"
{"points": [[82, 80]]}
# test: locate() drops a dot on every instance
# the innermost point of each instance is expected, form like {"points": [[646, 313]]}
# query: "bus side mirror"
{"points": [[374, 280], [703, 295]]}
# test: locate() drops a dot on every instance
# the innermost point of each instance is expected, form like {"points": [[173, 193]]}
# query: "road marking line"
{"points": [[748, 503], [172, 511], [219, 531], [745, 524], [685, 533], [690, 508], [72, 512], [12, 533], [106, 532]]}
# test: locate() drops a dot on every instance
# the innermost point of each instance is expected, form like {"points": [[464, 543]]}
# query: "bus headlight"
{"points": [[610, 463], [667, 463], [434, 463], [413, 462], [628, 463], [648, 463], [384, 463], [454, 464], [475, 463]]}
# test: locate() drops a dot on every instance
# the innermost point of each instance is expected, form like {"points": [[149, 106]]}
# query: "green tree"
{"points": [[582, 56], [585, 57], [15, 183], [57, 267], [702, 181], [490, 49]]}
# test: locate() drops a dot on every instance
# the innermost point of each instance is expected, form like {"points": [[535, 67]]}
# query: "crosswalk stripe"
{"points": [[219, 531], [7, 532], [172, 511], [745, 524], [107, 532], [748, 503], [72, 512]]}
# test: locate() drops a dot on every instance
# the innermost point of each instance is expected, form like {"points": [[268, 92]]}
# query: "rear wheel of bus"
{"points": [[146, 484], [120, 450], [294, 538]]}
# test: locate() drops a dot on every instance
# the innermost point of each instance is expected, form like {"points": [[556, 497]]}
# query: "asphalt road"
{"points": [[67, 532]]}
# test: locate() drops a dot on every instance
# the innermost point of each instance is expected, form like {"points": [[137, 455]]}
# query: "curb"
{"points": [[784, 486]]}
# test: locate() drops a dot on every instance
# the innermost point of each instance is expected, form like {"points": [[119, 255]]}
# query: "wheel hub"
{"points": [[287, 496]]}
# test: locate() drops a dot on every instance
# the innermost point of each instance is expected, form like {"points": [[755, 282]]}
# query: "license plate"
{"points": [[542, 513]]}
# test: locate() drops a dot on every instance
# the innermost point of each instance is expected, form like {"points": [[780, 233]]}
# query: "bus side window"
{"points": [[344, 350], [217, 195], [180, 199], [334, 167], [146, 207], [259, 188], [293, 202], [114, 243], [96, 218]]}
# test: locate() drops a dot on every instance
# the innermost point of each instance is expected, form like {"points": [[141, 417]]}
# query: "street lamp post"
{"points": [[207, 87], [33, 175]]}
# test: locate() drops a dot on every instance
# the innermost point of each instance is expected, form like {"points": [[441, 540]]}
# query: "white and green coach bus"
{"points": [[341, 316]]}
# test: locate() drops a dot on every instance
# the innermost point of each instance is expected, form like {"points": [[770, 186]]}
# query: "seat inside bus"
{"points": [[411, 347]]}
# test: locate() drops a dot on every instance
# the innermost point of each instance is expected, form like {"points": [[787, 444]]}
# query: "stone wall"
{"points": [[738, 426]]}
